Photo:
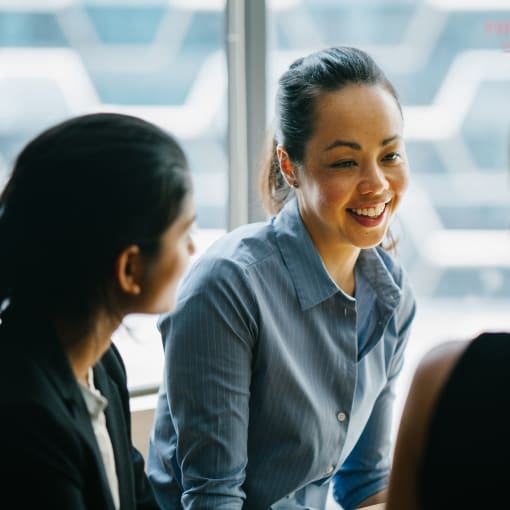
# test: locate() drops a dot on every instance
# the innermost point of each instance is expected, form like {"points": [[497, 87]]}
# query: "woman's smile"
{"points": [[371, 216]]}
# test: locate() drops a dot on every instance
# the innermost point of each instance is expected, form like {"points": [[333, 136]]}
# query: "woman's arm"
{"points": [[428, 380], [208, 357]]}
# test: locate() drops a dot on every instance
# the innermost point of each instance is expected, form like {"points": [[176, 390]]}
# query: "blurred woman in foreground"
{"points": [[94, 225]]}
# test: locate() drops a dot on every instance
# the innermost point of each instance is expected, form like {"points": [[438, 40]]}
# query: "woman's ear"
{"points": [[286, 167], [129, 268]]}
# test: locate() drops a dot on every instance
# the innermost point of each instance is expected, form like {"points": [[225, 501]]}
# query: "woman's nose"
{"points": [[373, 179]]}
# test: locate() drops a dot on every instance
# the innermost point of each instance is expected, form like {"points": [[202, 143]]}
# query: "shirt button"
{"points": [[330, 469], [341, 417]]}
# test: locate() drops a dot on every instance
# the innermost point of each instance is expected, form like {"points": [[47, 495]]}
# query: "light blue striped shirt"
{"points": [[275, 380]]}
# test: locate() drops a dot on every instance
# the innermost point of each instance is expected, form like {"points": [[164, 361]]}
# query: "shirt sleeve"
{"points": [[366, 470], [209, 342]]}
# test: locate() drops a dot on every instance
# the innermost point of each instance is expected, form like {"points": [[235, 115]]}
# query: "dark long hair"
{"points": [[299, 88], [79, 193]]}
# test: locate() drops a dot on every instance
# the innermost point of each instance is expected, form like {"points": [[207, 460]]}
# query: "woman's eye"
{"points": [[343, 164], [393, 156]]}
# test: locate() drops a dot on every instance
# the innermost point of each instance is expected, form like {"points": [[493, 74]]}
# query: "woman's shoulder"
{"points": [[487, 348], [429, 379], [231, 255], [435, 367], [490, 347], [451, 374], [244, 245]]}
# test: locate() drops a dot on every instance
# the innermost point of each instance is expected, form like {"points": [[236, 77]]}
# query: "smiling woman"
{"points": [[307, 316], [352, 176]]}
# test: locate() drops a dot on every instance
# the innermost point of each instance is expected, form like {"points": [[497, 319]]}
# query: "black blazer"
{"points": [[49, 456]]}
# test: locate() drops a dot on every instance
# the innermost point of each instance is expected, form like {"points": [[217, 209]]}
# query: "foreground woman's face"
{"points": [[165, 271]]}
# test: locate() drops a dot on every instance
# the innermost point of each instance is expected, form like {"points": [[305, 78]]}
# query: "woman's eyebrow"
{"points": [[357, 146], [343, 143], [386, 141]]}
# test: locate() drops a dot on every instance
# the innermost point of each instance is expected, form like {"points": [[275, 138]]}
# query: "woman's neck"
{"points": [[85, 346], [340, 262], [339, 258]]}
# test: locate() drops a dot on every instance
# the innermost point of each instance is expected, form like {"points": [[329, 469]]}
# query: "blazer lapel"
{"points": [[59, 373], [46, 349]]}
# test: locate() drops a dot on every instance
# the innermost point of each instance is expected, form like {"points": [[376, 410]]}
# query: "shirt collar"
{"points": [[311, 280], [372, 267], [94, 401]]}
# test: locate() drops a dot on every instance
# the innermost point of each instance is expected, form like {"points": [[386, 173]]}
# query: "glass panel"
{"points": [[157, 59]]}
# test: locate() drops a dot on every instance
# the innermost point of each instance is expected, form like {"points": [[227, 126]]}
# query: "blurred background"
{"points": [[207, 70]]}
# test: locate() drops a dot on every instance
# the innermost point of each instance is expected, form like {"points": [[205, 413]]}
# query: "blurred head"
{"points": [[96, 214], [334, 110]]}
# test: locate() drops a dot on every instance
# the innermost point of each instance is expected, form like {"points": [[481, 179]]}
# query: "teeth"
{"points": [[371, 212]]}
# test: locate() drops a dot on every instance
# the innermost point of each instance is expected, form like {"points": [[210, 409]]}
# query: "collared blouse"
{"points": [[275, 380]]}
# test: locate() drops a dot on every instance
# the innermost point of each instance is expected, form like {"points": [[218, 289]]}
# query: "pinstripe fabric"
{"points": [[275, 380]]}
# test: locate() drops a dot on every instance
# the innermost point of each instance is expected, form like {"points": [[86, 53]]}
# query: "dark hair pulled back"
{"points": [[79, 193], [299, 88]]}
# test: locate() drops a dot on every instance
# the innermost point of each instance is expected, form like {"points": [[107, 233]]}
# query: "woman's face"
{"points": [[163, 273], [355, 170]]}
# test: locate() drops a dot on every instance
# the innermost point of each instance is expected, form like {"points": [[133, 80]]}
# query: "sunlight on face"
{"points": [[355, 169], [165, 272]]}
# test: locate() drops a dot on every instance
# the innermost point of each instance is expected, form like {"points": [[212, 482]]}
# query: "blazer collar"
{"points": [[52, 360]]}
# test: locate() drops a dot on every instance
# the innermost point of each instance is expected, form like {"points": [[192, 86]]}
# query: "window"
{"points": [[165, 61], [157, 59]]}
